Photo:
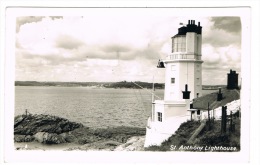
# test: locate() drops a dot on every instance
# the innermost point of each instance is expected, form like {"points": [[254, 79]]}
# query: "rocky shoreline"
{"points": [[49, 131]]}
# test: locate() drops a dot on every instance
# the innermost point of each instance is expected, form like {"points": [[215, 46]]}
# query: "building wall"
{"points": [[187, 69], [182, 67], [176, 109], [197, 79], [191, 42], [159, 132], [171, 71], [199, 41], [184, 72]]}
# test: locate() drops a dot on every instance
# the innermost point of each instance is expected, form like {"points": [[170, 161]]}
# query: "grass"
{"points": [[180, 137], [86, 135], [210, 136]]}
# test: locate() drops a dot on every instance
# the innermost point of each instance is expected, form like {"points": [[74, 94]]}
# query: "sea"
{"points": [[93, 107]]}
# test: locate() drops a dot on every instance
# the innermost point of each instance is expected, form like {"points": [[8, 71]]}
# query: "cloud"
{"points": [[223, 31], [68, 42], [24, 20], [31, 19], [221, 56], [115, 48], [56, 17], [228, 24], [118, 47]]}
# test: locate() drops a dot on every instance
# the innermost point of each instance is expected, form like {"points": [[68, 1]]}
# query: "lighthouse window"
{"points": [[159, 116], [198, 80], [172, 80], [173, 67], [198, 68], [179, 44]]}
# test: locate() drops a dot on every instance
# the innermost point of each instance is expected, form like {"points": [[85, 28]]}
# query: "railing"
{"points": [[183, 56]]}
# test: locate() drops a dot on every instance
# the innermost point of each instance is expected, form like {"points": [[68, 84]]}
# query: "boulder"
{"points": [[49, 138], [32, 124], [23, 138], [19, 138], [68, 137], [18, 120], [135, 143]]}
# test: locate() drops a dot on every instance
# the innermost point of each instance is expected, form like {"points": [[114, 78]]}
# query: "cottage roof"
{"points": [[211, 99]]}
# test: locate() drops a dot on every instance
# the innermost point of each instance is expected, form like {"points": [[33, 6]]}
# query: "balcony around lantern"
{"points": [[183, 56]]}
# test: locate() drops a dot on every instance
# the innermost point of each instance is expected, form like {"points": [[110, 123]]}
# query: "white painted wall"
{"points": [[159, 132], [199, 41], [176, 109], [186, 72], [191, 42], [185, 67], [170, 109]]}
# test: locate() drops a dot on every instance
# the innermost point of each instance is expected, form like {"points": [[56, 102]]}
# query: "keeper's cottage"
{"points": [[183, 82]]}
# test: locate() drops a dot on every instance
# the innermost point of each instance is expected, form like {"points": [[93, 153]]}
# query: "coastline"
{"points": [[45, 132], [135, 143]]}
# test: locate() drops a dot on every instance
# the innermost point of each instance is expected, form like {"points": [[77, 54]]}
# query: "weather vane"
{"points": [[181, 23]]}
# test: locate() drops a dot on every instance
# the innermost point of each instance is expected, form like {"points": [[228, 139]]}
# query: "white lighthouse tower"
{"points": [[183, 82], [183, 65]]}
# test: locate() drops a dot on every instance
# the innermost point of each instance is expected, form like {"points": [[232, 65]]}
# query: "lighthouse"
{"points": [[183, 65], [183, 82]]}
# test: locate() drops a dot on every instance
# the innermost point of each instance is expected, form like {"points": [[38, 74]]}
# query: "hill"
{"points": [[121, 84]]}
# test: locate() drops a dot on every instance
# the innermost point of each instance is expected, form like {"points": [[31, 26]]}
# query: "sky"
{"points": [[110, 45]]}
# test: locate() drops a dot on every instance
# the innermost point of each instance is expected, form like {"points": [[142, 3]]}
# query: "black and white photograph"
{"points": [[128, 80]]}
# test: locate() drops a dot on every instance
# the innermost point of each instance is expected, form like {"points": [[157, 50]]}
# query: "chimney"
{"points": [[198, 23], [186, 93], [232, 80], [219, 97], [188, 22]]}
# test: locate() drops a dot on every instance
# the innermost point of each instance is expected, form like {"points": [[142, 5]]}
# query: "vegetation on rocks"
{"points": [[43, 128], [210, 136], [31, 124], [49, 129], [86, 135]]}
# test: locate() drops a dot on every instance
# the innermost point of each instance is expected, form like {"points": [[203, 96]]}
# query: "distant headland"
{"points": [[121, 84]]}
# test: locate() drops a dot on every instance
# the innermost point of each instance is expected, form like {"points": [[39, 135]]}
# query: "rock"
{"points": [[23, 138], [88, 139], [19, 138], [18, 120], [68, 137], [40, 136], [135, 143], [32, 124], [122, 138], [29, 138], [98, 146], [49, 138]]}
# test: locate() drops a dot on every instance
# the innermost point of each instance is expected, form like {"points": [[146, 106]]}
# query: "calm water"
{"points": [[100, 107]]}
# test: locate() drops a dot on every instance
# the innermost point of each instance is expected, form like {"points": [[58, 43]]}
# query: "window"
{"points": [[159, 116], [198, 68], [198, 112], [179, 44], [198, 81], [173, 80], [173, 67]]}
